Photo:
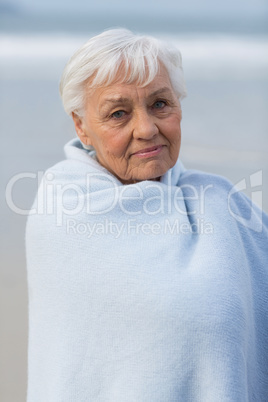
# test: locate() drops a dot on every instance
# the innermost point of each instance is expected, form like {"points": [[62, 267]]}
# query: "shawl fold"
{"points": [[150, 292]]}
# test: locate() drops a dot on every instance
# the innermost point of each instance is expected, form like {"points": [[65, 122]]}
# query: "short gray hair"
{"points": [[100, 58]]}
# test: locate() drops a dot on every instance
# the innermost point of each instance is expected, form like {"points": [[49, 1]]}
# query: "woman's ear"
{"points": [[80, 129]]}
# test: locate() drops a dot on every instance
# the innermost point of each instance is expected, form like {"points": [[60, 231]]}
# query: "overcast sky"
{"points": [[202, 8]]}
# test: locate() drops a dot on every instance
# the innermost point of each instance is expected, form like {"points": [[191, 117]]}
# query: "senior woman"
{"points": [[147, 282]]}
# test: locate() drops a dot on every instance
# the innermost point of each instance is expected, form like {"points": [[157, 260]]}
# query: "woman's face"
{"points": [[135, 131]]}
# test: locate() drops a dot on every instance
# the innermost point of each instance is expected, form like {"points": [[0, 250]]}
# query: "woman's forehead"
{"points": [[128, 94]]}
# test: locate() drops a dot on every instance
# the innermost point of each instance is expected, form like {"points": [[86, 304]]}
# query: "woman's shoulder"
{"points": [[238, 201], [199, 177]]}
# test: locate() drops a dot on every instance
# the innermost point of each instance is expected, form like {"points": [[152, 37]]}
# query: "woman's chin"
{"points": [[153, 174]]}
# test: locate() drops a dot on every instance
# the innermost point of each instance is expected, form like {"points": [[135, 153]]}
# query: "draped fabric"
{"points": [[150, 292]]}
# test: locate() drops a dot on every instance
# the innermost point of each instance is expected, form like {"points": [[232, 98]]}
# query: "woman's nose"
{"points": [[144, 126]]}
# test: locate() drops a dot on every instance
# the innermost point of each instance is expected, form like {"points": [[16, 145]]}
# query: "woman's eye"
{"points": [[159, 104], [118, 114]]}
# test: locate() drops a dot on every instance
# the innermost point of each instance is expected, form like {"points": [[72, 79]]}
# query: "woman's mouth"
{"points": [[149, 152]]}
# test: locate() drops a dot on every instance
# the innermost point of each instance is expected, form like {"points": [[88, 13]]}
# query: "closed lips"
{"points": [[148, 150]]}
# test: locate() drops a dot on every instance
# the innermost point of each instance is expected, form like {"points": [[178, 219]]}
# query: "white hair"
{"points": [[98, 61]]}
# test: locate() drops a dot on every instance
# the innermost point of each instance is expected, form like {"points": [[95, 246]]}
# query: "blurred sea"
{"points": [[224, 128]]}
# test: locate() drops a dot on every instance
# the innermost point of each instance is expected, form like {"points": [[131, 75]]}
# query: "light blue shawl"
{"points": [[151, 292]]}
